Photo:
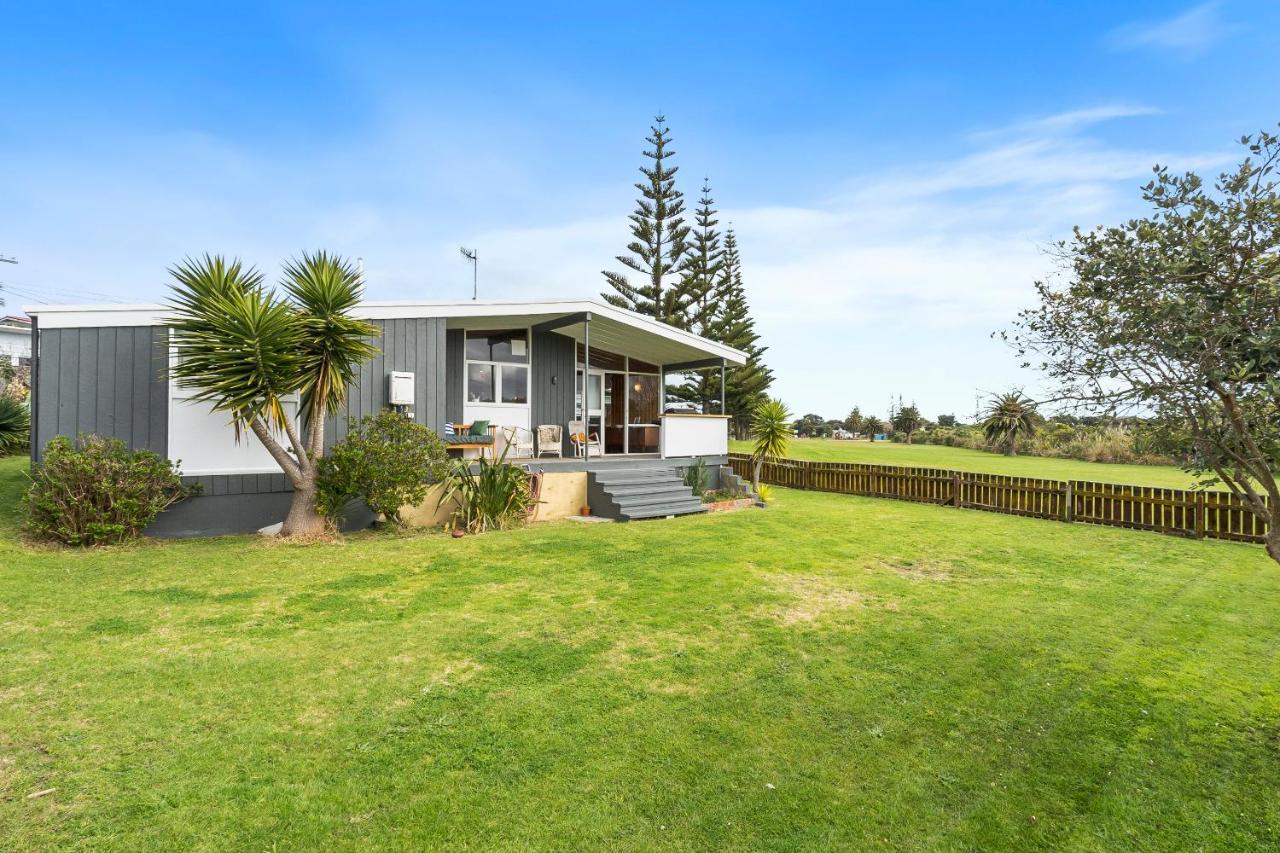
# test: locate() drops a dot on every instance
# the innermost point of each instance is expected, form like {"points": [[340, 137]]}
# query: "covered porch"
{"points": [[582, 384]]}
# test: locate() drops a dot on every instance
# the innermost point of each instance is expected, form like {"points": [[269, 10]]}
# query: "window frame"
{"points": [[497, 366]]}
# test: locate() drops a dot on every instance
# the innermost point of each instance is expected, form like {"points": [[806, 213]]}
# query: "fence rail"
{"points": [[1199, 514]]}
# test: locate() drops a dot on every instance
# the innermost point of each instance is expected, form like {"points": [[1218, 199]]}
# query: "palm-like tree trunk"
{"points": [[300, 469]]}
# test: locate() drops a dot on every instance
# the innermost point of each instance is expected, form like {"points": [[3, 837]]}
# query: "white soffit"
{"points": [[611, 328]]}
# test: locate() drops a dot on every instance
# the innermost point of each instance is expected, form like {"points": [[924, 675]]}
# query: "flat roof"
{"points": [[618, 327]]}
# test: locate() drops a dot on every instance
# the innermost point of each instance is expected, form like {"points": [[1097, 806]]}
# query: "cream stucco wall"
{"points": [[563, 493]]}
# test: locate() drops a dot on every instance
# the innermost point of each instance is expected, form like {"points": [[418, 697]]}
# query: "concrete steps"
{"points": [[640, 493]]}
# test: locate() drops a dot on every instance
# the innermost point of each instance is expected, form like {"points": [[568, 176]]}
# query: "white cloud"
{"points": [[1189, 34], [892, 284]]}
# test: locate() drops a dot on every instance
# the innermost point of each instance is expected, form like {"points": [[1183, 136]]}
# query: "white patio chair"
{"points": [[518, 441], [582, 440], [550, 440]]}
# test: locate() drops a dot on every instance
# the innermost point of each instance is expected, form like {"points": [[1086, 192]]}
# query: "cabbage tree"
{"points": [[1009, 416], [770, 435], [245, 349]]}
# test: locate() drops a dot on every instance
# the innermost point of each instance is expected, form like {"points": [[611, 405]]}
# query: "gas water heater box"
{"points": [[400, 390]]}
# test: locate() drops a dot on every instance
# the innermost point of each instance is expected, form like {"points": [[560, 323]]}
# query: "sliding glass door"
{"points": [[642, 413], [623, 402]]}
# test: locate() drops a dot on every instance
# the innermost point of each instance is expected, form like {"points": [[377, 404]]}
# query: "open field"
{"points": [[831, 672], [963, 459]]}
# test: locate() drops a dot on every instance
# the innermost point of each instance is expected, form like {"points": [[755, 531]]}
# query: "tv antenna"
{"points": [[473, 256], [5, 259]]}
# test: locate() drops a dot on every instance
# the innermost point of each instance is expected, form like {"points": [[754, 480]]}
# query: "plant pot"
{"points": [[458, 533], [586, 510]]}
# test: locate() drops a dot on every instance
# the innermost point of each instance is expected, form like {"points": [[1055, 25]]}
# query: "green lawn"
{"points": [[963, 459], [830, 672]]}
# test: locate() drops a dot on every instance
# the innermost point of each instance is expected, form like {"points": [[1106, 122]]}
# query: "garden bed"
{"points": [[729, 504]]}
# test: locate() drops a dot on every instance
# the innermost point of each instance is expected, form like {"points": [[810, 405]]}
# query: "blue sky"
{"points": [[894, 171]]}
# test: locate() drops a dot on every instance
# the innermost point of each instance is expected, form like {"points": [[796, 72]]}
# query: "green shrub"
{"points": [[15, 424], [387, 460], [696, 476], [487, 494], [96, 491]]}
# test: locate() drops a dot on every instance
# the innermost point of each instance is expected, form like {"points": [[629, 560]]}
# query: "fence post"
{"points": [[1068, 502], [1200, 515], [956, 485]]}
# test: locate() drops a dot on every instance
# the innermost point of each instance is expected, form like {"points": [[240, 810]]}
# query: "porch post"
{"points": [[722, 386], [586, 387]]}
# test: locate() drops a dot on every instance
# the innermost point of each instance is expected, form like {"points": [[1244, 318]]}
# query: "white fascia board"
{"points": [[550, 308], [89, 316]]}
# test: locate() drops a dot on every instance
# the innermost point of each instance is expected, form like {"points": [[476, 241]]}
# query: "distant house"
{"points": [[842, 434], [15, 340], [579, 367]]}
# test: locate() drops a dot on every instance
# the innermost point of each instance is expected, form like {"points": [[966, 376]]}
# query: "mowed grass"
{"points": [[980, 461], [832, 672]]}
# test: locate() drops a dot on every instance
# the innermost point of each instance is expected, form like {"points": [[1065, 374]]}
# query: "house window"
{"points": [[497, 367]]}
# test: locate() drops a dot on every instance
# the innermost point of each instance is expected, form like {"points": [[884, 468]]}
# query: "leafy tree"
{"points": [[244, 350], [387, 460], [908, 420], [872, 425], [770, 435], [657, 250], [1178, 314], [853, 423], [810, 426], [1009, 415], [946, 420]]}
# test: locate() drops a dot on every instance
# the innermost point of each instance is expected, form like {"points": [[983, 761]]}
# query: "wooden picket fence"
{"points": [[1199, 514]]}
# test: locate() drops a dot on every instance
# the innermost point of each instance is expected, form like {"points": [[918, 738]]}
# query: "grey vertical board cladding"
{"points": [[35, 387], [554, 363], [109, 381], [416, 345], [455, 354]]}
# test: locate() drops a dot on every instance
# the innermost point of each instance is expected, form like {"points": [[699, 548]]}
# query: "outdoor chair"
{"points": [[549, 440], [582, 440], [518, 442]]}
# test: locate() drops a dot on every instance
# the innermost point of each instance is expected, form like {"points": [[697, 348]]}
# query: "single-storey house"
{"points": [[15, 341], [521, 365]]}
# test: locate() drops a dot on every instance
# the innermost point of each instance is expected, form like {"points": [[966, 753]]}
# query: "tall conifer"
{"points": [[657, 250], [704, 265], [745, 386]]}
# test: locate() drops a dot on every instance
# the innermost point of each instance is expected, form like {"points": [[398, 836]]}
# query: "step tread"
{"points": [[633, 476], [657, 512], [645, 488], [667, 498]]}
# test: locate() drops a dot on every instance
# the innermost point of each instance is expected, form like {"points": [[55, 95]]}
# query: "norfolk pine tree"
{"points": [[658, 249]]}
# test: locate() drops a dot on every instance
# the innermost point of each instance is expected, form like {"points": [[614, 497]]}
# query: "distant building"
{"points": [[15, 340]]}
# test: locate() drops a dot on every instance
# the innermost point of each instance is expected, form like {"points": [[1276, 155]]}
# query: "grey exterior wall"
{"points": [[112, 381], [554, 358], [108, 381], [455, 358], [416, 345]]}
